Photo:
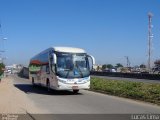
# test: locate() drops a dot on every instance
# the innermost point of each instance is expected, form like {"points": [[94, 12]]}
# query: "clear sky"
{"points": [[106, 29]]}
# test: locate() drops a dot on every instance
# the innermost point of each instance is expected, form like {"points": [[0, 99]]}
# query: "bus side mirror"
{"points": [[92, 60], [54, 58]]}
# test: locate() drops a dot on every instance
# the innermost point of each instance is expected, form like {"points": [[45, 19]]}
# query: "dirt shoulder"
{"points": [[14, 101]]}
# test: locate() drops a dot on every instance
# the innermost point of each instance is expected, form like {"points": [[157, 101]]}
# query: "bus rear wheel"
{"points": [[75, 91]]}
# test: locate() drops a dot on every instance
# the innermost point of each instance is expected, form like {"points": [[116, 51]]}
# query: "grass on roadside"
{"points": [[149, 92]]}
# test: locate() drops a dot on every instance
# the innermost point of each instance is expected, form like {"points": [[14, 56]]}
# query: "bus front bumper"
{"points": [[64, 86]]}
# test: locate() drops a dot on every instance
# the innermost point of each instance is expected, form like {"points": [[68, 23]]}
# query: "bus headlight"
{"points": [[86, 80], [61, 80]]}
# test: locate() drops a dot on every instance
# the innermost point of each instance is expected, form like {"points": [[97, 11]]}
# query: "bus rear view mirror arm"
{"points": [[55, 58], [93, 60]]}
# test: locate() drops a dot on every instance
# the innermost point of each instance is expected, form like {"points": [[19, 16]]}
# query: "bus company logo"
{"points": [[9, 117]]}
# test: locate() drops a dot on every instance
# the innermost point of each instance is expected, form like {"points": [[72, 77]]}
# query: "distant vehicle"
{"points": [[9, 71], [62, 68], [156, 70], [110, 70], [113, 70]]}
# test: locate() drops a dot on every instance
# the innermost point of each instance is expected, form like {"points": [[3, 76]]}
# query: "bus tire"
{"points": [[75, 91], [48, 85]]}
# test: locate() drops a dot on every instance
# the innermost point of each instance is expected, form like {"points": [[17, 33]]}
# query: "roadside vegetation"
{"points": [[2, 67], [149, 92]]}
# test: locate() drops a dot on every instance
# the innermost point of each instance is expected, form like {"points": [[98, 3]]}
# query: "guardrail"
{"points": [[25, 73], [128, 75]]}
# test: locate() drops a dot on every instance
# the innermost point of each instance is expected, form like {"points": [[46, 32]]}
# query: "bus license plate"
{"points": [[74, 87]]}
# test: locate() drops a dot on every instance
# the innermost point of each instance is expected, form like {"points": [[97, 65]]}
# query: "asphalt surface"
{"points": [[85, 105], [128, 79]]}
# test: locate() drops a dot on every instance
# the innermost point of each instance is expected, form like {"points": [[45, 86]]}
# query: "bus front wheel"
{"points": [[48, 85], [75, 91]]}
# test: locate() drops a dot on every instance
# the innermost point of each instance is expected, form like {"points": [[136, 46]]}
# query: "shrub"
{"points": [[149, 92], [2, 67]]}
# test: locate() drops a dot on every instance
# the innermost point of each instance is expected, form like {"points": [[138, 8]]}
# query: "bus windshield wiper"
{"points": [[79, 70], [67, 73], [66, 69]]}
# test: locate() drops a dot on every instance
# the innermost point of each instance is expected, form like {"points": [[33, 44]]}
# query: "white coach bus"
{"points": [[61, 68]]}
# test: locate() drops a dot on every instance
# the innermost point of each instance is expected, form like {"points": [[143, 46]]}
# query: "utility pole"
{"points": [[128, 62], [150, 38], [2, 39]]}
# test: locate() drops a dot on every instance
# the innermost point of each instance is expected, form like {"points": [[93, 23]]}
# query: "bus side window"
{"points": [[52, 64], [53, 68], [43, 68], [47, 69]]}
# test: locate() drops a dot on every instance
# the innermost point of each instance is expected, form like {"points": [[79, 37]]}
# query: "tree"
{"points": [[109, 66], [118, 65], [98, 68], [2, 67], [104, 67], [142, 66]]}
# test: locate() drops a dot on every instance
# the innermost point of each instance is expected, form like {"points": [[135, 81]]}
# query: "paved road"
{"points": [[86, 102], [128, 79]]}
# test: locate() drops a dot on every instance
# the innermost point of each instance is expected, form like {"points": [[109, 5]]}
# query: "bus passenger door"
{"points": [[44, 75], [53, 78]]}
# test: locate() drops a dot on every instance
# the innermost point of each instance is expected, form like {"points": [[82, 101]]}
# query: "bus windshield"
{"points": [[72, 65]]}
